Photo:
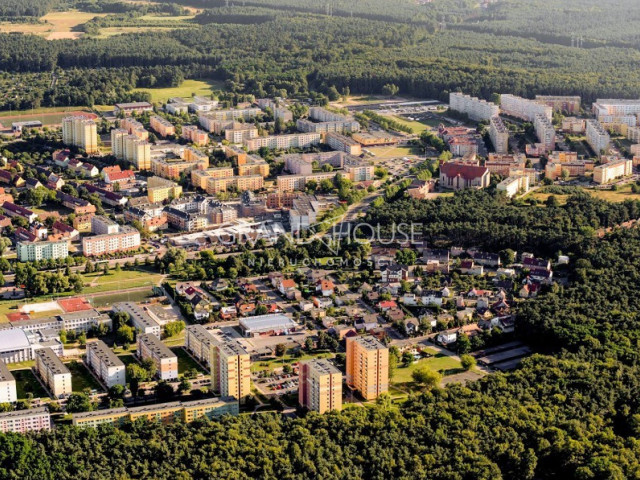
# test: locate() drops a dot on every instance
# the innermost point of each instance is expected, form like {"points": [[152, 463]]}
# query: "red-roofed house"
{"points": [[326, 287], [121, 177], [456, 176], [387, 305]]}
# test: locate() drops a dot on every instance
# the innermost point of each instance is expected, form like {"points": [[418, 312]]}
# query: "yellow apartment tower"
{"points": [[320, 386], [80, 131], [230, 370], [367, 366]]}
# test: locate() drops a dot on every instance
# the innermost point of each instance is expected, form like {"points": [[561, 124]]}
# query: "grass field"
{"points": [[187, 89], [418, 127], [623, 193], [439, 362], [81, 378], [26, 382], [276, 363], [384, 153], [118, 281], [185, 362], [112, 31], [54, 25]]}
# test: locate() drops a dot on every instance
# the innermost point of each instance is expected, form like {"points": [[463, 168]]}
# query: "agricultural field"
{"points": [[54, 25], [187, 89]]}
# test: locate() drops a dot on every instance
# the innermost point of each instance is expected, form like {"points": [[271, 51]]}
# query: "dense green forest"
{"points": [[571, 411], [298, 47]]}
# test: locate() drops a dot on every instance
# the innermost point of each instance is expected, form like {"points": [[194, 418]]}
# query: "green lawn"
{"points": [[385, 153], [418, 127], [176, 340], [26, 382], [439, 362], [185, 362], [81, 378], [187, 89]]}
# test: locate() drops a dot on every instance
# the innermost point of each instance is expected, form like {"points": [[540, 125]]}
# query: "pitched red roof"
{"points": [[468, 172]]}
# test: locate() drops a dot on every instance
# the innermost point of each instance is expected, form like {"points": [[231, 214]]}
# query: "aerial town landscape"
{"points": [[279, 239]]}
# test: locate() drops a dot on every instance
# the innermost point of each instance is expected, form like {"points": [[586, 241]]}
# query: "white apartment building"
{"points": [[104, 226], [34, 251], [612, 171], [239, 135], [499, 135], [140, 319], [476, 109], [513, 185], [523, 108], [597, 137], [80, 131], [106, 364], [612, 110], [128, 238], [296, 140], [8, 393], [545, 131], [53, 372]]}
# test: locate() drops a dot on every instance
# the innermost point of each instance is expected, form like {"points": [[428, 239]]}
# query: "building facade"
{"points": [[55, 375], [367, 366], [150, 347], [106, 364], [320, 386]]}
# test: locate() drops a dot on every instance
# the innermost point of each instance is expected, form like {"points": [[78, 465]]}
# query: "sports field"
{"points": [[187, 89], [48, 116]]}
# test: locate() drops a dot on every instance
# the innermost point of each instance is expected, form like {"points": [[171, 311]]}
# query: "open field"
{"points": [[26, 383], [187, 89], [167, 18], [439, 362], [393, 151], [54, 25], [623, 193], [418, 127], [192, 10]]}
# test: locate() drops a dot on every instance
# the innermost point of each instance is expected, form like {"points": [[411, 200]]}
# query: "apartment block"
{"points": [[296, 140], [597, 137], [499, 135], [612, 171], [553, 170], [165, 412], [302, 164], [514, 185], [230, 369], [343, 143], [127, 239], [475, 108], [523, 108], [561, 103], [206, 120], [340, 126], [545, 132], [199, 341], [320, 386], [162, 126], [194, 135], [290, 183], [240, 133], [367, 366], [171, 168], [160, 189], [55, 375], [573, 125], [611, 110], [24, 421], [134, 128], [140, 319], [150, 346], [199, 178], [253, 165], [240, 183], [358, 170], [103, 225], [34, 251], [106, 364], [131, 148], [80, 131], [8, 393], [132, 107]]}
